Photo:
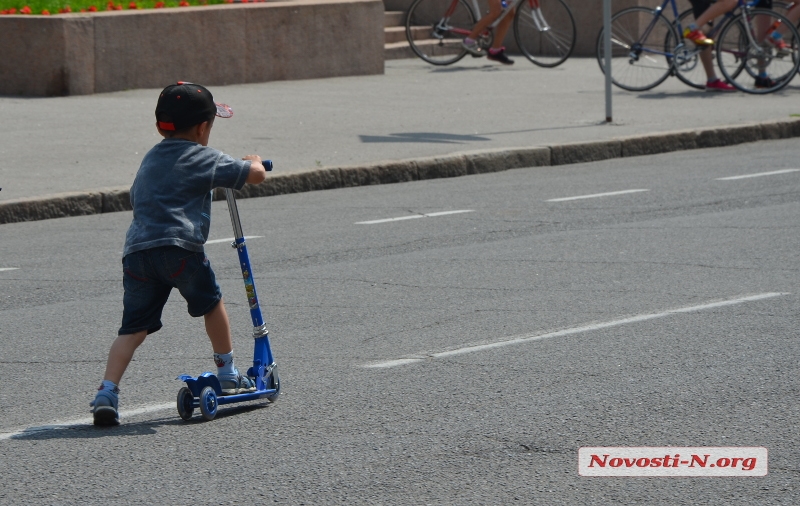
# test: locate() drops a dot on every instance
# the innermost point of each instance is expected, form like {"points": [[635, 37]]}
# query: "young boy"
{"points": [[171, 199]]}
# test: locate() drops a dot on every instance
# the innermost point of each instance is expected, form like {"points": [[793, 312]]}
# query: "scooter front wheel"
{"points": [[274, 382]]}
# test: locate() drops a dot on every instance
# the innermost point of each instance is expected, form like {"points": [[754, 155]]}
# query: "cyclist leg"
{"points": [[498, 52], [470, 42], [705, 12], [713, 83]]}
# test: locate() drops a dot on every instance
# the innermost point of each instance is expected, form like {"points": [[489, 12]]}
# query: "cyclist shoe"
{"points": [[472, 47], [775, 39], [499, 55], [765, 82], [698, 37], [104, 408], [719, 85], [235, 383]]}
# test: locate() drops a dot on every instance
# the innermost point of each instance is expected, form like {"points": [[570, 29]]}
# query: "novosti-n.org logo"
{"points": [[672, 461]]}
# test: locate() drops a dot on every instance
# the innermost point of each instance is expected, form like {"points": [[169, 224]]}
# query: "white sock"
{"points": [[224, 363]]}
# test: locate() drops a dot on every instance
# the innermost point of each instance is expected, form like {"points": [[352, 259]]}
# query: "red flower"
{"points": [[12, 10], [159, 5], [92, 8], [65, 10], [45, 12], [3, 12], [133, 5], [184, 3], [25, 10], [118, 7]]}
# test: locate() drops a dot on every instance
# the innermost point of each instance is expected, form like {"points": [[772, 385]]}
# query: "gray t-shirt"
{"points": [[171, 195]]}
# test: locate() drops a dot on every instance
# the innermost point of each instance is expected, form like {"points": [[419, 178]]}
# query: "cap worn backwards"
{"points": [[185, 104]]}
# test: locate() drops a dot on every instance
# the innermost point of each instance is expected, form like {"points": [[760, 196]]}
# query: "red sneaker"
{"points": [[719, 85], [698, 37]]}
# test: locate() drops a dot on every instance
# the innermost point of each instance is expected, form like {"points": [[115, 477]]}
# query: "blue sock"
{"points": [[224, 363]]}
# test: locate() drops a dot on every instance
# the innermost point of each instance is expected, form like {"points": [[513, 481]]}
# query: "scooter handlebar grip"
{"points": [[267, 165]]}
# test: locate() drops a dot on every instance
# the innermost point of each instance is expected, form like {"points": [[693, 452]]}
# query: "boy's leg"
{"points": [[121, 353], [106, 401], [218, 328]]}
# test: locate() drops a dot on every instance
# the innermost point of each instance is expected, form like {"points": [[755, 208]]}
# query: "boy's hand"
{"points": [[257, 173]]}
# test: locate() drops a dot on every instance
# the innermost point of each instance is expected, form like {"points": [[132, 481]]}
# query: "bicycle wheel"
{"points": [[642, 45], [687, 64], [743, 44], [435, 29], [545, 31]]}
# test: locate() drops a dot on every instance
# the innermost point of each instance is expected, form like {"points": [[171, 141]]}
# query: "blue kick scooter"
{"points": [[204, 391]]}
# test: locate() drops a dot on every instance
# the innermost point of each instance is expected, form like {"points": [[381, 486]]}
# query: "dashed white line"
{"points": [[79, 422], [414, 217], [757, 174], [231, 239], [596, 195], [526, 338], [8, 269]]}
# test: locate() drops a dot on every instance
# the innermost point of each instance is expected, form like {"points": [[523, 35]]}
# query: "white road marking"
{"points": [[415, 216], [8, 269], [527, 338], [757, 174], [231, 239], [595, 195], [80, 422]]}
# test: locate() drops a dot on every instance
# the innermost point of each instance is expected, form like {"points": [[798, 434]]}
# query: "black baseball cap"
{"points": [[184, 104]]}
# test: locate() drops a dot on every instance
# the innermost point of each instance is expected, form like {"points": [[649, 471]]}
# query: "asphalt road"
{"points": [[490, 425]]}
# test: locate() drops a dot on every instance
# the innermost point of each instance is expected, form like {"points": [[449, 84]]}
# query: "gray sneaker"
{"points": [[472, 47], [104, 408], [236, 384]]}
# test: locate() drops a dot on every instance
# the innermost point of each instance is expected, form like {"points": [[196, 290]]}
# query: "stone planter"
{"points": [[79, 54]]}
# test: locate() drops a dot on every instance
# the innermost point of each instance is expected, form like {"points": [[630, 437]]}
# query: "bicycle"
{"points": [[543, 29], [688, 68], [741, 50]]}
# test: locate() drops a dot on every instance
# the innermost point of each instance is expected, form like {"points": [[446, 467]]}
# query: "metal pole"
{"points": [[607, 53]]}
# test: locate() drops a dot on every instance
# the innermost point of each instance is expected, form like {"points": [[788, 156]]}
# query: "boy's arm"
{"points": [[257, 173]]}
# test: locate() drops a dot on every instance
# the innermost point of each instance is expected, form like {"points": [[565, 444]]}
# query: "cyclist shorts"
{"points": [[700, 6]]}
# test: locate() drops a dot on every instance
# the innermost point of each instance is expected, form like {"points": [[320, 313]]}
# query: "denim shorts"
{"points": [[148, 277]]}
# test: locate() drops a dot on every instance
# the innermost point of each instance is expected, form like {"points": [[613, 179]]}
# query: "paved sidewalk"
{"points": [[84, 143]]}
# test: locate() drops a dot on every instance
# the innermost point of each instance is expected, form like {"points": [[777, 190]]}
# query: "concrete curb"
{"points": [[401, 171]]}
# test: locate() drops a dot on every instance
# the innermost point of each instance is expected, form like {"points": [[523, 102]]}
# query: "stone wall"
{"points": [[215, 45]]}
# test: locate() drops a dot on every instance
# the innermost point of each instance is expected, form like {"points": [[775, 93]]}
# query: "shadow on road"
{"points": [[85, 431]]}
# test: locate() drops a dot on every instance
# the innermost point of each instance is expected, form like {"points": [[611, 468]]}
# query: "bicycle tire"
{"points": [[552, 45], [638, 63], [735, 52], [435, 38]]}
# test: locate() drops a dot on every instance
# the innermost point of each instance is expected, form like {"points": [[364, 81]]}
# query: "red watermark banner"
{"points": [[672, 461]]}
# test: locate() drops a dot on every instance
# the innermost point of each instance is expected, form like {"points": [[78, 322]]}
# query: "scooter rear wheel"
{"points": [[185, 403]]}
